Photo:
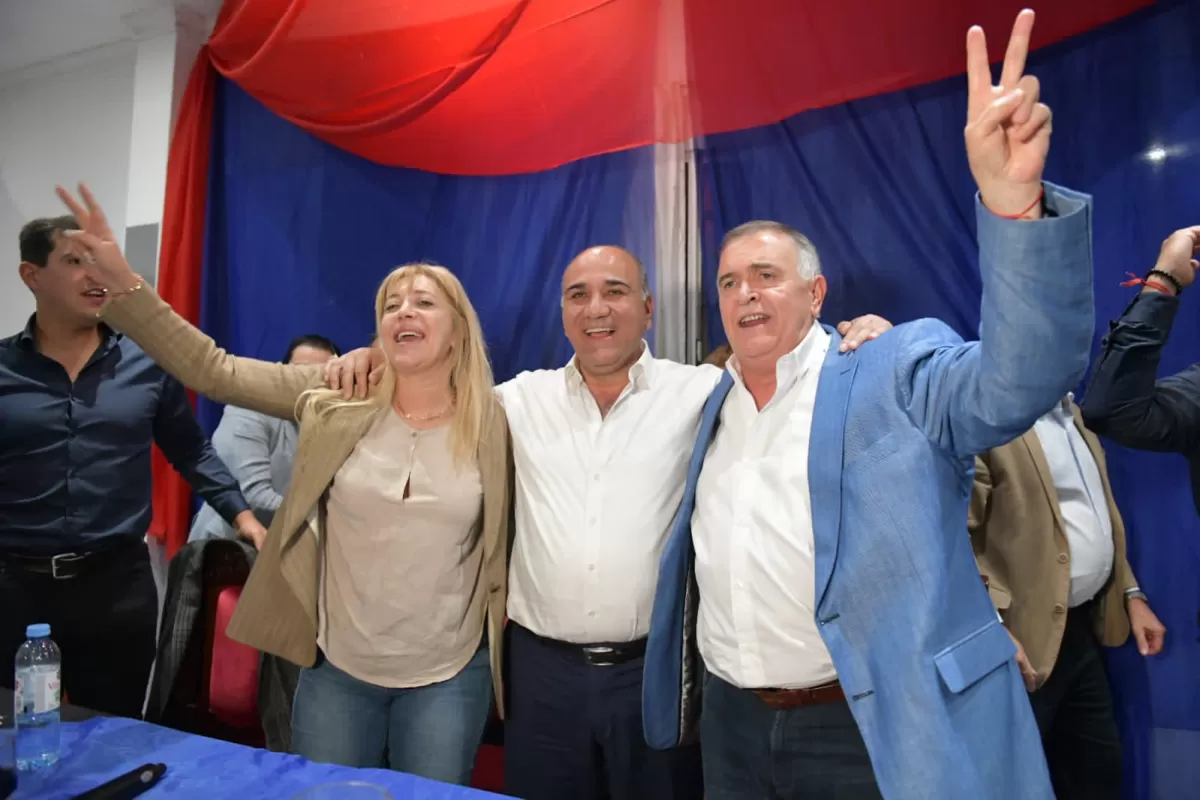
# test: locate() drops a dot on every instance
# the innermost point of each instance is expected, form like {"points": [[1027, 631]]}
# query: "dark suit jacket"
{"points": [[1127, 404]]}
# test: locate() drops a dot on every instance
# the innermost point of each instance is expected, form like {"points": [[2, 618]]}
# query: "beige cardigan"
{"points": [[277, 612]]}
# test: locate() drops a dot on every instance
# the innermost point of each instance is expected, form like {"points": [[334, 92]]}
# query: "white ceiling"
{"points": [[37, 31]]}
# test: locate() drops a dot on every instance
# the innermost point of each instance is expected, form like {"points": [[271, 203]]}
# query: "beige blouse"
{"points": [[399, 602]]}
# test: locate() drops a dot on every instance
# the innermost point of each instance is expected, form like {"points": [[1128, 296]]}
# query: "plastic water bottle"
{"points": [[36, 699]]}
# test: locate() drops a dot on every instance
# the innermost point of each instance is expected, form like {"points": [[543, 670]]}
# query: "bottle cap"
{"points": [[39, 630]]}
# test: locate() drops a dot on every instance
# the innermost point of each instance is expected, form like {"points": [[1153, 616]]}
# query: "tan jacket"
{"points": [[277, 612], [1021, 548]]}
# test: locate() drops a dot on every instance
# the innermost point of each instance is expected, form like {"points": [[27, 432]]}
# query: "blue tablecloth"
{"points": [[101, 749]]}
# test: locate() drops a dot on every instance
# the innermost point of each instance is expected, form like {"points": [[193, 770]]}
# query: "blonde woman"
{"points": [[389, 552]]}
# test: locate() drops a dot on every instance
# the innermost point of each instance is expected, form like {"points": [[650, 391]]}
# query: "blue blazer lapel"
{"points": [[671, 677], [825, 453]]}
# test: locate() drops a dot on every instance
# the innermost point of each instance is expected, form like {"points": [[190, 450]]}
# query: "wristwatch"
{"points": [[1136, 594]]}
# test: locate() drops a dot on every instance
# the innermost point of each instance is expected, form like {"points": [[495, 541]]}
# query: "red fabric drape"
{"points": [[180, 262], [509, 86], [487, 87]]}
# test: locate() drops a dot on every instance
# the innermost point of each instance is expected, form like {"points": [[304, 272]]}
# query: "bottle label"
{"points": [[37, 690]]}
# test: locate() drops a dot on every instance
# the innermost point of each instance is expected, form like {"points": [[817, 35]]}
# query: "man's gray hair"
{"points": [[641, 274], [807, 261]]}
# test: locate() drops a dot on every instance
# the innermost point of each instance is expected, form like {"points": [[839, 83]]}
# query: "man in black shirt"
{"points": [[80, 406], [1125, 400]]}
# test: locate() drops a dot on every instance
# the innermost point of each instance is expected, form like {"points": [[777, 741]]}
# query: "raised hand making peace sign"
{"points": [[1008, 130]]}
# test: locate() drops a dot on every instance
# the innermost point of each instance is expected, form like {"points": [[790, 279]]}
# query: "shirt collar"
{"points": [[29, 336], [794, 364], [108, 337], [639, 371], [1063, 410]]}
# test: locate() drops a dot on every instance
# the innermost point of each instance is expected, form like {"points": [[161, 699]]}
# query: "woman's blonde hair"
{"points": [[470, 373]]}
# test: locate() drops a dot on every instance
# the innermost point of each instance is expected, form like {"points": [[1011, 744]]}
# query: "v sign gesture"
{"points": [[90, 217], [102, 257], [1008, 130]]}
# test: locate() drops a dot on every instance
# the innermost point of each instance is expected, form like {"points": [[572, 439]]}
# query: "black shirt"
{"points": [[75, 458], [1126, 401]]}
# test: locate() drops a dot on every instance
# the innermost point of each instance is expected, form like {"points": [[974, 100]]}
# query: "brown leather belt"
{"points": [[787, 699]]}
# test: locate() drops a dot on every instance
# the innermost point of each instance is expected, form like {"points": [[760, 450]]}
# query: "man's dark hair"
{"points": [[311, 340], [40, 236]]}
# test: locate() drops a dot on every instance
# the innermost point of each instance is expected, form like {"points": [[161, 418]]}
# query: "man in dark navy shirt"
{"points": [[1126, 401], [80, 407]]}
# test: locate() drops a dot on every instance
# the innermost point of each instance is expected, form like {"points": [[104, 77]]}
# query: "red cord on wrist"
{"points": [[1037, 201], [1134, 280]]}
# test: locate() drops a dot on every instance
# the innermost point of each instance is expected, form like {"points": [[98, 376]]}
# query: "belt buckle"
{"points": [[61, 558], [600, 656]]}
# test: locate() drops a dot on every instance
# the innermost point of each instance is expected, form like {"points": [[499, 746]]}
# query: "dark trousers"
{"points": [[277, 682], [574, 730], [1074, 711], [103, 620], [753, 752]]}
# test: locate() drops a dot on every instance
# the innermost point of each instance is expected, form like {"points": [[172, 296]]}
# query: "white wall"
{"points": [[61, 127], [149, 144]]}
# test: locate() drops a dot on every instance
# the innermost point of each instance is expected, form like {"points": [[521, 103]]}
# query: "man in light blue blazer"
{"points": [[818, 591]]}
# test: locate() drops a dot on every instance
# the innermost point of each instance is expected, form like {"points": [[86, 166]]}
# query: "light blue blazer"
{"points": [[926, 667]]}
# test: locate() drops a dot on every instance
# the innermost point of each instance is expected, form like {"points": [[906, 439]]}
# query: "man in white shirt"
{"points": [[1050, 544], [850, 645], [601, 448]]}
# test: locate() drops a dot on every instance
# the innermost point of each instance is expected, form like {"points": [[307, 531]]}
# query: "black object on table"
{"points": [[127, 786]]}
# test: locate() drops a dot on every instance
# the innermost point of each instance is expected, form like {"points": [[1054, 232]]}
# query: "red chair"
{"points": [[489, 769], [232, 668], [215, 692]]}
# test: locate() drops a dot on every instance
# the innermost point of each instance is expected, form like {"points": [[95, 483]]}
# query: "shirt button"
{"points": [[1058, 608], [591, 567], [591, 613], [1062, 558]]}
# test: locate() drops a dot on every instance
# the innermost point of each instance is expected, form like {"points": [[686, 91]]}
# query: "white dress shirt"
{"points": [[752, 528], [595, 495], [1081, 501]]}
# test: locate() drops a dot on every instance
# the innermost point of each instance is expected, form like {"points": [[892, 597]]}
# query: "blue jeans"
{"points": [[753, 752], [432, 731]]}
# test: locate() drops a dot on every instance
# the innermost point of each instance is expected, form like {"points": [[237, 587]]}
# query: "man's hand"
{"points": [[1149, 633], [248, 527], [355, 372], [861, 329], [1008, 130], [1178, 255], [1028, 673]]}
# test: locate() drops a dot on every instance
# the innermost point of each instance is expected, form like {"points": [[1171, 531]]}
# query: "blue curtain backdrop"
{"points": [[883, 189], [299, 235]]}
